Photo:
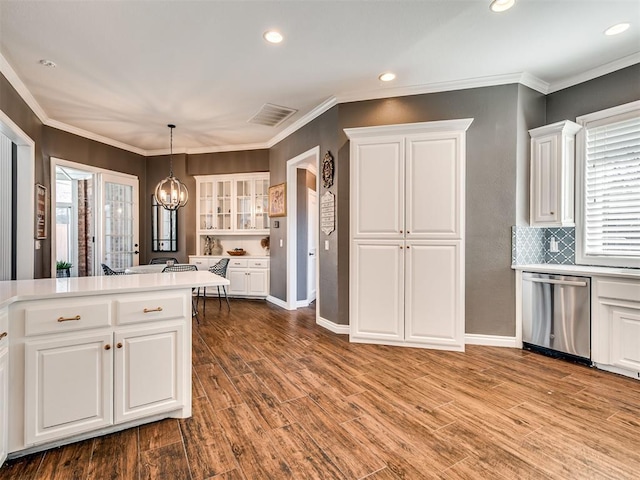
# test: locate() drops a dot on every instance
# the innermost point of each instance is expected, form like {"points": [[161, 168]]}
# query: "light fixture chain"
{"points": [[171, 153]]}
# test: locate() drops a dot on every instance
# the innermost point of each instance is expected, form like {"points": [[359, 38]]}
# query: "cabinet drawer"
{"points": [[258, 263], [200, 263], [58, 316], [237, 263], [150, 308]]}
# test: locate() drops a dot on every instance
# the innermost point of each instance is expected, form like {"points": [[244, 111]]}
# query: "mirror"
{"points": [[164, 228]]}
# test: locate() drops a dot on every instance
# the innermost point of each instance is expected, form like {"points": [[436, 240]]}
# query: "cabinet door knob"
{"points": [[119, 345], [400, 231], [3, 334], [551, 213], [107, 347]]}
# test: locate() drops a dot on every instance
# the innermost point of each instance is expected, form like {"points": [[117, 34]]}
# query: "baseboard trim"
{"points": [[278, 302], [333, 327], [302, 303], [491, 340]]}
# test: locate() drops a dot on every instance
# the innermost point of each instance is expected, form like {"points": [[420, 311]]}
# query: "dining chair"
{"points": [[220, 269], [161, 260], [109, 271], [187, 267]]}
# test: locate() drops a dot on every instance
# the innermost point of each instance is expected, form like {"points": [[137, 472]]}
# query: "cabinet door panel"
{"points": [[149, 371], [378, 192], [257, 284], [434, 303], [545, 178], [625, 337], [4, 401], [238, 281], [377, 306], [434, 187], [68, 386]]}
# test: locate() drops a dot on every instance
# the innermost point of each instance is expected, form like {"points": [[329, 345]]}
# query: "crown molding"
{"points": [[12, 77], [534, 83], [94, 136], [605, 69], [302, 121]]}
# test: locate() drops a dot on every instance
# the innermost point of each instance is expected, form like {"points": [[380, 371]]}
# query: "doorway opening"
{"points": [[302, 230]]}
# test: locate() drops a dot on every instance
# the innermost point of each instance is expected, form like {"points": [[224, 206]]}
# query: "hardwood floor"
{"points": [[276, 397]]}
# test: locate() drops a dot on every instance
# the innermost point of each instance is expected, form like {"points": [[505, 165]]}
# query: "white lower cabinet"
{"points": [[83, 365], [616, 325], [248, 277], [407, 293], [69, 386]]}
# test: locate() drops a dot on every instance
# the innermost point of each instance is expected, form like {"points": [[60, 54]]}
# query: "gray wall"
{"points": [[320, 132], [603, 92]]}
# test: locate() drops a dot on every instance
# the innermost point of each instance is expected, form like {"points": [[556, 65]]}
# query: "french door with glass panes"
{"points": [[119, 245]]}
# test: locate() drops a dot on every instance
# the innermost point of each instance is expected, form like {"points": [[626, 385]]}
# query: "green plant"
{"points": [[62, 265]]}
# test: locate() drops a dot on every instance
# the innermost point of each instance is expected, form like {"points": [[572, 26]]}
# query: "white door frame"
{"points": [[26, 245], [98, 173], [311, 159]]}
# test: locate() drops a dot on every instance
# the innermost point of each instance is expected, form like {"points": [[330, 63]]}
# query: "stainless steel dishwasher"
{"points": [[556, 315]]}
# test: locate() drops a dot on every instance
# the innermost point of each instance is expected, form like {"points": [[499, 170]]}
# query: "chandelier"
{"points": [[171, 193]]}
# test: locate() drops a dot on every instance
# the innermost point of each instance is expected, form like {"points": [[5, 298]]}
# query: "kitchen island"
{"points": [[87, 356]]}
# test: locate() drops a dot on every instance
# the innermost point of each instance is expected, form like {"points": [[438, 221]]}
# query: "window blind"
{"points": [[612, 183]]}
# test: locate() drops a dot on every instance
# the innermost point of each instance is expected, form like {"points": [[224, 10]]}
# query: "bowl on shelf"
{"points": [[236, 252]]}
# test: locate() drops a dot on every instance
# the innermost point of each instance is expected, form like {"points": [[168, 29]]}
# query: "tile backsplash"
{"points": [[531, 245]]}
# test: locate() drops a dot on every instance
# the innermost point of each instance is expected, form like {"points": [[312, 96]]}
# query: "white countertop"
{"points": [[20, 290], [580, 270]]}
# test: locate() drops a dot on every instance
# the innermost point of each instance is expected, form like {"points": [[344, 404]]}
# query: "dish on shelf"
{"points": [[237, 252]]}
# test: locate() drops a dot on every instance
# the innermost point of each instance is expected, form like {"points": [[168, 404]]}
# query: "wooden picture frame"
{"points": [[41, 212], [278, 200]]}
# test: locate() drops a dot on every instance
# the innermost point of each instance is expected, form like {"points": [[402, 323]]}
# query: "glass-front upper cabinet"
{"points": [[233, 203]]}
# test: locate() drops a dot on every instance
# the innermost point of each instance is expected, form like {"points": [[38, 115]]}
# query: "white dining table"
{"points": [[154, 268]]}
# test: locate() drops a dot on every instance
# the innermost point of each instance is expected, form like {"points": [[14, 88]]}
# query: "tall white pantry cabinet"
{"points": [[407, 234]]}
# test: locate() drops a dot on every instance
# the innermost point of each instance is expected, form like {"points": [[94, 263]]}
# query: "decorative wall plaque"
{"points": [[327, 171], [328, 213]]}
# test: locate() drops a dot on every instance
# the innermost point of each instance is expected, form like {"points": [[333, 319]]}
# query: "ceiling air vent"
{"points": [[272, 115]]}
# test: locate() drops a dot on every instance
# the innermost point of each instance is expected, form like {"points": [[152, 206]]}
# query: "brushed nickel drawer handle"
{"points": [[69, 319], [149, 310], [3, 334]]}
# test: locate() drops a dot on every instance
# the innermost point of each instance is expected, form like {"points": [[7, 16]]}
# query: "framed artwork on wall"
{"points": [[278, 200], [41, 212]]}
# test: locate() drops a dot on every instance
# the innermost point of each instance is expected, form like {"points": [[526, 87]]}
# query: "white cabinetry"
{"points": [[248, 277], [4, 385], [552, 174], [616, 325], [231, 205], [407, 234], [94, 362]]}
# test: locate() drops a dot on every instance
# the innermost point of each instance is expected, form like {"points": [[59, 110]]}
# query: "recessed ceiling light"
{"points": [[47, 63], [616, 29], [273, 36], [501, 5], [387, 77]]}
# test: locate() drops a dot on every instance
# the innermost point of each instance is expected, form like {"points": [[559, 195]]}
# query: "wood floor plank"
{"points": [[217, 386], [70, 462], [164, 462], [302, 454], [276, 380], [208, 449], [159, 434], [264, 405], [252, 448], [115, 456], [23, 468], [352, 457]]}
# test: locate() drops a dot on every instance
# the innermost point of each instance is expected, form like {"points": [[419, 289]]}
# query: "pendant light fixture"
{"points": [[171, 193]]}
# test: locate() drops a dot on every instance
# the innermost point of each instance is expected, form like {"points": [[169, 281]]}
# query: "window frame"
{"points": [[582, 258]]}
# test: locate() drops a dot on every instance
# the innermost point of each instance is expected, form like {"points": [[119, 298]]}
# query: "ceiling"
{"points": [[125, 69]]}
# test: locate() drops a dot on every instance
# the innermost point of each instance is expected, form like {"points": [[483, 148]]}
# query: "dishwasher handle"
{"points": [[573, 283]]}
